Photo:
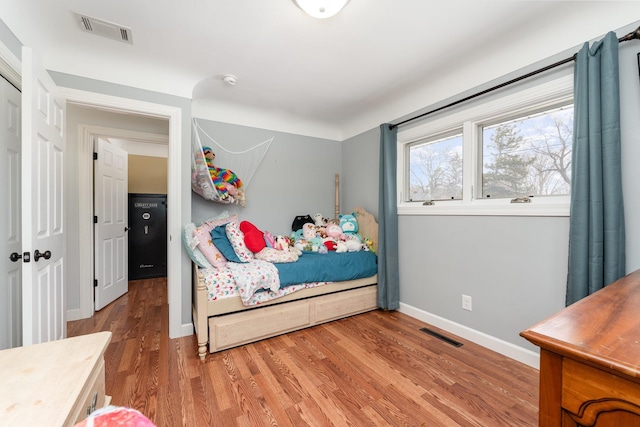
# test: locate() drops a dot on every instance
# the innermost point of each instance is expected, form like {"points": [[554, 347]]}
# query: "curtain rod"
{"points": [[631, 36]]}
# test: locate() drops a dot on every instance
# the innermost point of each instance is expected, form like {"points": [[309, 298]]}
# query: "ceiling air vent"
{"points": [[104, 28]]}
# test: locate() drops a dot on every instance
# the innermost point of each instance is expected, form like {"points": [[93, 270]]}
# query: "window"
{"points": [[435, 169], [508, 153], [528, 156]]}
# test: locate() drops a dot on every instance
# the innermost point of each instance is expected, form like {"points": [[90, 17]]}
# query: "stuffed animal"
{"points": [[341, 247], [353, 244], [330, 243], [282, 243], [349, 226], [299, 221], [319, 220], [225, 181], [308, 231], [334, 231], [348, 223]]}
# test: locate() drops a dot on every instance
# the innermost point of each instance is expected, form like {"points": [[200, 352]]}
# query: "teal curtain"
{"points": [[388, 276], [597, 230]]}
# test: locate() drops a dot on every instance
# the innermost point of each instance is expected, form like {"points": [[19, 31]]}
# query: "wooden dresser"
{"points": [[590, 359], [53, 384]]}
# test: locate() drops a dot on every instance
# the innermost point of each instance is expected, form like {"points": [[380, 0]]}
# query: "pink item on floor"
{"points": [[114, 416]]}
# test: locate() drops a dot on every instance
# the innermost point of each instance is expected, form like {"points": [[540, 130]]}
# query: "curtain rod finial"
{"points": [[631, 36]]}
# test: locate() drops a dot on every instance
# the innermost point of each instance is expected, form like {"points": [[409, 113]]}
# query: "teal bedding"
{"points": [[329, 267]]}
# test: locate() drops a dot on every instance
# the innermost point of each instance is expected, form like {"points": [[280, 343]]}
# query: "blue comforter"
{"points": [[329, 267]]}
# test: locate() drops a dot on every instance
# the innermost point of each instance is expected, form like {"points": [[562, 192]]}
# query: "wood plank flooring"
{"points": [[374, 369]]}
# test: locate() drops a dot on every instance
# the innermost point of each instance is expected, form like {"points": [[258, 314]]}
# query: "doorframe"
{"points": [[86, 169], [10, 66], [174, 115]]}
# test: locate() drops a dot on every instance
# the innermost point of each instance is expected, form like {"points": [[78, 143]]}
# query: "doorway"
{"points": [[177, 265], [140, 150]]}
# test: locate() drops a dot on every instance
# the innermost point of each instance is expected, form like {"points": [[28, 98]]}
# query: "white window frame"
{"points": [[470, 117]]}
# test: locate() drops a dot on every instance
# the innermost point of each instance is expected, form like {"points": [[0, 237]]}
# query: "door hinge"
{"points": [[95, 156], [95, 219], [95, 283]]}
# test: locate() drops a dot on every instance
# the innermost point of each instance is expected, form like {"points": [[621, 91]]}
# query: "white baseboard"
{"points": [[505, 348], [73, 315], [186, 330]]}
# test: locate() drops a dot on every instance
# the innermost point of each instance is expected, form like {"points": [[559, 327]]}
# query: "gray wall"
{"points": [[513, 267], [361, 158], [10, 40], [296, 177], [76, 116]]}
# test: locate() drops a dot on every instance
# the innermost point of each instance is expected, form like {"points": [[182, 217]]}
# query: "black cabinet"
{"points": [[147, 236]]}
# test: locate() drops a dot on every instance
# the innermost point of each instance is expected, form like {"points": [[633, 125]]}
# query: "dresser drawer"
{"points": [[588, 393], [92, 396]]}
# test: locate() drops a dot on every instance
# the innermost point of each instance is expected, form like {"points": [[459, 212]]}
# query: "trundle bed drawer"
{"points": [[247, 326], [244, 327], [336, 306]]}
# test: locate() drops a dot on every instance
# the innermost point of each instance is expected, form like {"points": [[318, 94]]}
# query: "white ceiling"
{"points": [[374, 62]]}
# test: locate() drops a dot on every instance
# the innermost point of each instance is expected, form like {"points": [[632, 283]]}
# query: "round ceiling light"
{"points": [[321, 8]]}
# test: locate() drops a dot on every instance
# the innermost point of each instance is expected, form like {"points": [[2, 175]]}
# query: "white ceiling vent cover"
{"points": [[104, 28]]}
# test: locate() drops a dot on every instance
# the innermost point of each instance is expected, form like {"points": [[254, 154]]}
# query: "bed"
{"points": [[225, 322]]}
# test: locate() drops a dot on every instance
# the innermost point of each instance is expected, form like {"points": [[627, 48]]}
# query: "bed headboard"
{"points": [[367, 226]]}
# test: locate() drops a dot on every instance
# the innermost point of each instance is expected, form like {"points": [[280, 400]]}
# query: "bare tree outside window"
{"points": [[435, 169], [529, 156]]}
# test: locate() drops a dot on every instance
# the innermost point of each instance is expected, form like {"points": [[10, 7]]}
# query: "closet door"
{"points": [[10, 215], [110, 207], [43, 132]]}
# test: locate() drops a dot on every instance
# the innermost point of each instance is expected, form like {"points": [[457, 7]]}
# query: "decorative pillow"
{"points": [[236, 237], [269, 239], [221, 241], [275, 255], [253, 237], [191, 245], [206, 246]]}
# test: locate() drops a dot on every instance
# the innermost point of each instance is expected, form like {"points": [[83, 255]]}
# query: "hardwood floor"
{"points": [[374, 369]]}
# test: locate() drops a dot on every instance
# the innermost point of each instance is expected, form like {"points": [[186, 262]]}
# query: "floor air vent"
{"points": [[441, 337]]}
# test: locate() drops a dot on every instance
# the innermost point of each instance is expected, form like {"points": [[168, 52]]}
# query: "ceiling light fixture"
{"points": [[321, 8]]}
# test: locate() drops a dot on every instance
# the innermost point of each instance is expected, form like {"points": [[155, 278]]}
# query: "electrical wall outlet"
{"points": [[466, 302]]}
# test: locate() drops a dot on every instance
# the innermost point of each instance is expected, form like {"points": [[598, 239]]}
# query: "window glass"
{"points": [[528, 156], [435, 169]]}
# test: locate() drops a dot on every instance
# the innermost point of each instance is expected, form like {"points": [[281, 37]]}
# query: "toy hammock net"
{"points": [[220, 175]]}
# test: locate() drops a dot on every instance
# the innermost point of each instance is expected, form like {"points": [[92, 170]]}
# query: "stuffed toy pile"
{"points": [[321, 235], [225, 181]]}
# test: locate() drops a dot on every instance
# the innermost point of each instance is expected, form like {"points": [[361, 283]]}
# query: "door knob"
{"points": [[126, 229], [37, 255], [14, 257]]}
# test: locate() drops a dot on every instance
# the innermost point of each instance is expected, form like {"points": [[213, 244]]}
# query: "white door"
{"points": [[111, 210], [43, 132], [10, 212]]}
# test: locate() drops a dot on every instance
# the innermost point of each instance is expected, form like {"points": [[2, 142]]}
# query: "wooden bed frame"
{"points": [[227, 323]]}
